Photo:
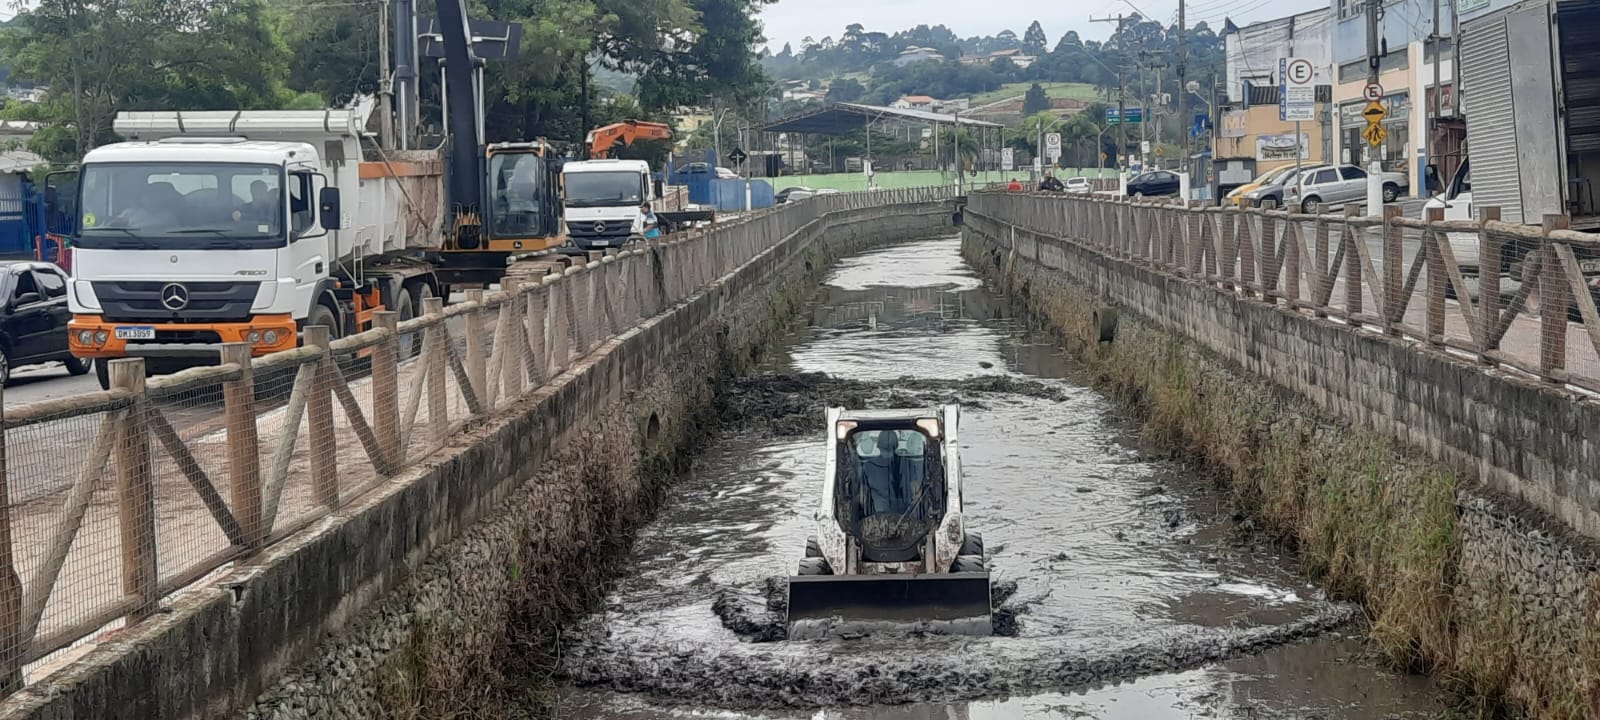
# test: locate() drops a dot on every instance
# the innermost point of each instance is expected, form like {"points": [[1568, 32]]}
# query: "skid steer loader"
{"points": [[891, 551]]}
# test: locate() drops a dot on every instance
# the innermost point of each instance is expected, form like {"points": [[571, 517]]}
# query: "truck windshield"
{"points": [[604, 189], [181, 205]]}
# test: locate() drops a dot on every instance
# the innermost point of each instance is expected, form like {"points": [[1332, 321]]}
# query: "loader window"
{"points": [[518, 196], [892, 487]]}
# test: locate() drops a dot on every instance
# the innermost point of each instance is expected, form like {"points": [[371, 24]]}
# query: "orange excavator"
{"points": [[602, 140]]}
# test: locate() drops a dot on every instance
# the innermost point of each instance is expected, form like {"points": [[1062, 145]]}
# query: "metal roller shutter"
{"points": [[1491, 119]]}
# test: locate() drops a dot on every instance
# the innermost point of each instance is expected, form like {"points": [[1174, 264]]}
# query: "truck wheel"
{"points": [[102, 373], [967, 564], [76, 366], [405, 309], [815, 566], [813, 549], [323, 315], [1390, 192], [5, 369], [973, 545]]}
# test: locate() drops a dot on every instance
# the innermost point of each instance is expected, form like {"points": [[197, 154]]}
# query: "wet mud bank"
{"points": [[1121, 578], [472, 626], [1472, 587]]}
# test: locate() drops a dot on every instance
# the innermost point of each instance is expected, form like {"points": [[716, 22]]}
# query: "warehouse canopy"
{"points": [[842, 118]]}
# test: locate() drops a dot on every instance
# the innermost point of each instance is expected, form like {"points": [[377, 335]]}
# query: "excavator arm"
{"points": [[603, 139]]}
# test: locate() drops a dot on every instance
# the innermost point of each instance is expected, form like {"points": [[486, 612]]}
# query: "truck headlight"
{"points": [[254, 337], [85, 337], [270, 336]]}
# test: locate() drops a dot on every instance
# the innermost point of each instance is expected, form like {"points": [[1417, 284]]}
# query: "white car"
{"points": [[1457, 204], [1079, 185], [726, 174]]}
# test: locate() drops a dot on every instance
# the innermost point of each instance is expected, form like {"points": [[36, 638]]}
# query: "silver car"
{"points": [[1338, 186]]}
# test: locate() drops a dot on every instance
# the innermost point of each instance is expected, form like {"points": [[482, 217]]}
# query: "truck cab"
{"points": [[604, 201], [1456, 201], [182, 244]]}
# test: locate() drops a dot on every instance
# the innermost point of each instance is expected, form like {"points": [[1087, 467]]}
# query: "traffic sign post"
{"points": [[1007, 160], [1052, 146], [738, 156], [1297, 90]]}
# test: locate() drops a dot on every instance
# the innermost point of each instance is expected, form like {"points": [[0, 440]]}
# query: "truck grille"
{"points": [[148, 301], [590, 229]]}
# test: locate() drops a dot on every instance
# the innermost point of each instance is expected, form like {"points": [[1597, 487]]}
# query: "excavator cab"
{"points": [[524, 197]]}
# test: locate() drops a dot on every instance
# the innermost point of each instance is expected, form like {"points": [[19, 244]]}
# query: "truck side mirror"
{"points": [[328, 208]]}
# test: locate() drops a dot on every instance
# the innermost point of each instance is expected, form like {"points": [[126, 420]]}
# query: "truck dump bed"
{"points": [[393, 201]]}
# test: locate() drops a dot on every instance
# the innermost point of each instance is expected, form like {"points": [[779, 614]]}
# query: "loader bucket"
{"points": [[950, 604]]}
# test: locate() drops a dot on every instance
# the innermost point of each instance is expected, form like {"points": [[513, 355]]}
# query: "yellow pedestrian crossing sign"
{"points": [[1375, 134]]}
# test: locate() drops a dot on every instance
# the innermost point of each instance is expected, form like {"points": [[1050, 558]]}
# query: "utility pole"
{"points": [[385, 83], [1434, 136], [1122, 103], [1183, 85]]}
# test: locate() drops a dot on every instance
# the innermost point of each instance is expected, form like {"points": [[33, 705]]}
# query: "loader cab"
{"points": [[890, 489], [524, 198]]}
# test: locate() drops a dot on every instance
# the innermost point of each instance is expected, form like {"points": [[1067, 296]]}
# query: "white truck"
{"points": [[1531, 95], [213, 227], [605, 201]]}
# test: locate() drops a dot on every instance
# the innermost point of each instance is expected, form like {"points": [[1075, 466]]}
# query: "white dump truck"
{"points": [[892, 550], [605, 201]]}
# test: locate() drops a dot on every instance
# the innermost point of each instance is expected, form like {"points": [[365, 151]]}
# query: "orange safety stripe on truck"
{"points": [[399, 168]]}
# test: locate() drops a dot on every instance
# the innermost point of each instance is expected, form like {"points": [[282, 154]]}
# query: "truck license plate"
{"points": [[136, 333], [1589, 266], [601, 243]]}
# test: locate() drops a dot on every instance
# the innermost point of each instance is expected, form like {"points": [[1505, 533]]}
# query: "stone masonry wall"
{"points": [[1332, 440], [441, 593]]}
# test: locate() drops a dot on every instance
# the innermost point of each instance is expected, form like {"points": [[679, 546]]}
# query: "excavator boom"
{"points": [[603, 139]]}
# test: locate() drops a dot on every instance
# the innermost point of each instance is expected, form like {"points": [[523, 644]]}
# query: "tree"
{"points": [[846, 90], [1036, 100], [1034, 40]]}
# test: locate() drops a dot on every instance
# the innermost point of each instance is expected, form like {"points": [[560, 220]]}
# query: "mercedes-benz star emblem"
{"points": [[599, 227], [175, 296]]}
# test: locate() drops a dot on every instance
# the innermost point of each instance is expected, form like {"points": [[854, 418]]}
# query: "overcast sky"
{"points": [[791, 20]]}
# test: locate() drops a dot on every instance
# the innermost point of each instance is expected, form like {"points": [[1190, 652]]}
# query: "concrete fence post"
{"points": [[1554, 298], [1393, 266], [477, 362], [1489, 251], [1438, 280], [1353, 279], [1320, 267], [244, 444], [512, 346], [1269, 253], [136, 503], [12, 644], [386, 391], [319, 411], [438, 364]]}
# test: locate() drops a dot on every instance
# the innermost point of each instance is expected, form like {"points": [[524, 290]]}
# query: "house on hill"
{"points": [[1015, 56], [914, 102], [914, 54]]}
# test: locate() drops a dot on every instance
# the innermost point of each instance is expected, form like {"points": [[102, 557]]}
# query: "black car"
{"points": [[1152, 184], [33, 327]]}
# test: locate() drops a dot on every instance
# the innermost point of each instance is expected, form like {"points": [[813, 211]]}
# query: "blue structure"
{"points": [[723, 195]]}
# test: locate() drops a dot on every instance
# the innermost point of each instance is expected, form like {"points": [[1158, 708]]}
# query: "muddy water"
{"points": [[1134, 594]]}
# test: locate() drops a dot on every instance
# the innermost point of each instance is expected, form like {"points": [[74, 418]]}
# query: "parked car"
{"points": [[827, 191], [1340, 185], [33, 324], [1079, 184], [1273, 188], [1155, 183], [1274, 176], [794, 193], [726, 174]]}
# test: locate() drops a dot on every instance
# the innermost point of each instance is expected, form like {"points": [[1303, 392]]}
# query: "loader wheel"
{"points": [[973, 545], [815, 566], [813, 550], [966, 563]]}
